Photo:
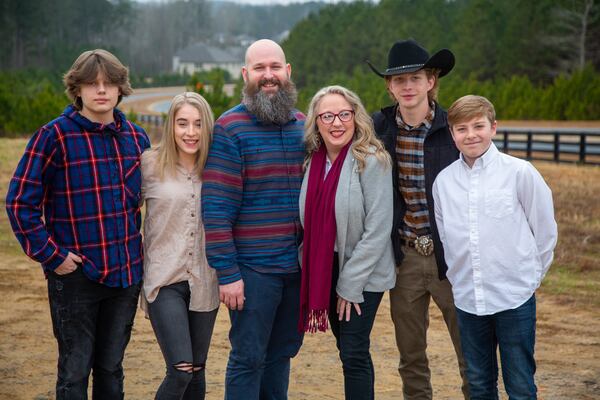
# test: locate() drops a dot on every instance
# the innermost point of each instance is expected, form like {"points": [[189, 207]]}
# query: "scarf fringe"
{"points": [[317, 320]]}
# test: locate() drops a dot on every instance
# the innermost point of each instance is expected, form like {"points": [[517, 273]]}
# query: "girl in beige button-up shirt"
{"points": [[180, 291]]}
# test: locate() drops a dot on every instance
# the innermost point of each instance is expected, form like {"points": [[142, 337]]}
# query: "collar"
{"points": [[72, 113], [427, 122], [485, 159], [184, 172]]}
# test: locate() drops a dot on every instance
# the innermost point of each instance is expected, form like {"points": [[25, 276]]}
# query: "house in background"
{"points": [[200, 56]]}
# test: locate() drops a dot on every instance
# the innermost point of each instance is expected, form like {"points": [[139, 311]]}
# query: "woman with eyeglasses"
{"points": [[180, 292], [347, 256]]}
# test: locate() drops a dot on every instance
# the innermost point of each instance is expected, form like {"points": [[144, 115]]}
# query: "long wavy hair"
{"points": [[167, 148], [364, 138]]}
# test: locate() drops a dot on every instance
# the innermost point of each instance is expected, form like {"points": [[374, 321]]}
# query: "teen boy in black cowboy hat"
{"points": [[415, 133]]}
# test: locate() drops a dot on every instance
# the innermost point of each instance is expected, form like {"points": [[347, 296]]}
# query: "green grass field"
{"points": [[574, 276]]}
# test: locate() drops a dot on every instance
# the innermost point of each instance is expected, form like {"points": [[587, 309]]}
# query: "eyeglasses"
{"points": [[328, 117]]}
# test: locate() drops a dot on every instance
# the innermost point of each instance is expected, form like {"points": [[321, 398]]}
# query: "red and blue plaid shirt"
{"points": [[77, 188]]}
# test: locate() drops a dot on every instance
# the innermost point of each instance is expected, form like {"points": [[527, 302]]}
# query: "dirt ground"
{"points": [[568, 348]]}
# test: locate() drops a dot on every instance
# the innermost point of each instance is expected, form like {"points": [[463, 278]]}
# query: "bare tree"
{"points": [[573, 21]]}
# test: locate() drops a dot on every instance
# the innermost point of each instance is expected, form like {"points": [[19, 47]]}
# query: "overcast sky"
{"points": [[267, 2], [281, 1]]}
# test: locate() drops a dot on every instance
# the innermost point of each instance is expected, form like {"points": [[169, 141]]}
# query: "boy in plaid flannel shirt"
{"points": [[73, 204]]}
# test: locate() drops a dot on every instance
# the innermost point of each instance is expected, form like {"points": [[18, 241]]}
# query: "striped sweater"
{"points": [[251, 185]]}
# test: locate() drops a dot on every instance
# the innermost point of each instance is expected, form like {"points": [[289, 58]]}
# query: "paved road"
{"points": [[144, 101], [151, 93], [156, 101]]}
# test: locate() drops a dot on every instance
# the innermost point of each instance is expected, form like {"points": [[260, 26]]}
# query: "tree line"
{"points": [[534, 60], [490, 39], [49, 35]]}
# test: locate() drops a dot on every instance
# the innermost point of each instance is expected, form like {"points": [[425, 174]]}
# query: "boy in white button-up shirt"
{"points": [[495, 218]]}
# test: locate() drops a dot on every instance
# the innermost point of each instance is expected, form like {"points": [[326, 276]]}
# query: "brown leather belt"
{"points": [[408, 243]]}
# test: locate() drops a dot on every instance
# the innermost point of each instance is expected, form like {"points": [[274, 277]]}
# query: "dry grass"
{"points": [[11, 151], [575, 274], [566, 347]]}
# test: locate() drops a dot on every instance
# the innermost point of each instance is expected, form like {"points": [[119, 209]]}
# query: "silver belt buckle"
{"points": [[424, 245]]}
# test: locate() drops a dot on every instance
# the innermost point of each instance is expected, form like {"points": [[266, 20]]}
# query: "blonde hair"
{"points": [[364, 135], [167, 148], [469, 107], [85, 69], [432, 94]]}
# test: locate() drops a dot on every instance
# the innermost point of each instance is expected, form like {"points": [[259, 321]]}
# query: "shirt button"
{"points": [[190, 253], [193, 215], [192, 234], [193, 195]]}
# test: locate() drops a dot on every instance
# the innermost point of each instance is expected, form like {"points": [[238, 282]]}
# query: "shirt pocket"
{"points": [[133, 181], [498, 203], [132, 172]]}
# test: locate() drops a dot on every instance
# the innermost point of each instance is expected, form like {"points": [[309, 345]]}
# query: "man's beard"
{"points": [[274, 108]]}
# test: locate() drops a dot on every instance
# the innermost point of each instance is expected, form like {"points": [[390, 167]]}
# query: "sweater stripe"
{"points": [[250, 193]]}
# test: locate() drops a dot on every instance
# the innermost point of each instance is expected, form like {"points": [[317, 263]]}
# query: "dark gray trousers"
{"points": [[184, 338]]}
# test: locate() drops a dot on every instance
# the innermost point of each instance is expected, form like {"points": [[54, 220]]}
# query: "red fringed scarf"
{"points": [[319, 240]]}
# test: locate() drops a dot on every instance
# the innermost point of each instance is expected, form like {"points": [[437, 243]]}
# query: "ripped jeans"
{"points": [[92, 325], [184, 339]]}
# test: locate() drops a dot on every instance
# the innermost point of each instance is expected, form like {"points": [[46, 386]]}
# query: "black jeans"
{"points": [[184, 338], [92, 324], [353, 342]]}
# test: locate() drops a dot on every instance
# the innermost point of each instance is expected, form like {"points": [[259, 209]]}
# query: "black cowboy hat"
{"points": [[408, 56]]}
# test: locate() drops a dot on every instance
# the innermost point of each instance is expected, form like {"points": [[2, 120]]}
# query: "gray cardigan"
{"points": [[363, 210]]}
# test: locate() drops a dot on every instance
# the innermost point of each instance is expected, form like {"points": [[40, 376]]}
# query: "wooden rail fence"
{"points": [[572, 145]]}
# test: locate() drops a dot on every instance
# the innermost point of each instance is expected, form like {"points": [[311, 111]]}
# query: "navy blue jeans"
{"points": [[513, 331], [184, 338], [92, 325], [264, 337], [353, 342]]}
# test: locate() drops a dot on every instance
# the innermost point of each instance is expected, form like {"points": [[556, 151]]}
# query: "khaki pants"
{"points": [[416, 283]]}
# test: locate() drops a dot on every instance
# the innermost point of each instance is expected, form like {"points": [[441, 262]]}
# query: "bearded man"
{"points": [[251, 184]]}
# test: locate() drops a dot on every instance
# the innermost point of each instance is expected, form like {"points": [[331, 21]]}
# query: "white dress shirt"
{"points": [[496, 223]]}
